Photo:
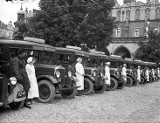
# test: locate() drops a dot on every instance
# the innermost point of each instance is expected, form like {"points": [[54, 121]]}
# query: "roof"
{"points": [[71, 51], [36, 46]]}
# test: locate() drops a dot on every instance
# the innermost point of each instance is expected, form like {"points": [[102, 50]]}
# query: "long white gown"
{"points": [[107, 75], [139, 75], [147, 75], [124, 73], [79, 73], [33, 91]]}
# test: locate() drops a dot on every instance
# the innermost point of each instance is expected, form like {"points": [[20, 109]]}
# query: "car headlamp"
{"points": [[69, 73], [58, 74], [93, 73], [13, 80]]}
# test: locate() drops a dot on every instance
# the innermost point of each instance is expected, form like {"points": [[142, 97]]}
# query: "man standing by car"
{"points": [[124, 73], [80, 75], [20, 73], [107, 73], [139, 74]]}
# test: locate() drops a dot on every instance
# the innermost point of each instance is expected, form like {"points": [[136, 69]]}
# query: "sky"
{"points": [[8, 10]]}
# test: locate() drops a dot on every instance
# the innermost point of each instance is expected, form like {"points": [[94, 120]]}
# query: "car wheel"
{"points": [[88, 87], [46, 91], [113, 85], [129, 82], [100, 88], [16, 105], [68, 94]]}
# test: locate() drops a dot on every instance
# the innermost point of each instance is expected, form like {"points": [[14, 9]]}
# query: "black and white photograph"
{"points": [[79, 61]]}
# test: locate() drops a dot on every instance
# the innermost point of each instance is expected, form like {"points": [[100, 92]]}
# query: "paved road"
{"points": [[139, 104]]}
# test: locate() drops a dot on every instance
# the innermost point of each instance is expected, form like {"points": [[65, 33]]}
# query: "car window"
{"points": [[62, 58], [46, 57]]}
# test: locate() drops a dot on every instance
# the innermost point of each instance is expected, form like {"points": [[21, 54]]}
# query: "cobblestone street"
{"points": [[139, 104]]}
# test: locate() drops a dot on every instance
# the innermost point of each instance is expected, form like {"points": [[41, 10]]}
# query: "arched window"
{"points": [[137, 14], [157, 13], [147, 13], [128, 15], [118, 15]]}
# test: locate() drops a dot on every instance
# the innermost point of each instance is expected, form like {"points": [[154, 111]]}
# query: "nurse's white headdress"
{"points": [[30, 59]]}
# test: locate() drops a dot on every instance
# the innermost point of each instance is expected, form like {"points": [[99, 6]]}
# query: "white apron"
{"points": [[139, 75], [107, 75], [124, 73], [158, 71], [79, 72], [147, 75], [33, 91]]}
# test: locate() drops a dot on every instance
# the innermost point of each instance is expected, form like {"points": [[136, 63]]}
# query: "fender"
{"points": [[47, 77], [89, 77], [115, 76]]}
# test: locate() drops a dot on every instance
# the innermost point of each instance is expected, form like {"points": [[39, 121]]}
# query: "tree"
{"points": [[150, 51], [74, 22]]}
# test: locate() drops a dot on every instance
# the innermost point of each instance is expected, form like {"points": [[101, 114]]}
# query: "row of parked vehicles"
{"points": [[53, 76]]}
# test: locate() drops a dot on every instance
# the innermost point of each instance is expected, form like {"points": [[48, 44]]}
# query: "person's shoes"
{"points": [[27, 106]]}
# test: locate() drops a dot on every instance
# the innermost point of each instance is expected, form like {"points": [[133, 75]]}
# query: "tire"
{"points": [[46, 91], [129, 82], [101, 88], [113, 86], [88, 87], [16, 105], [68, 94], [142, 80], [122, 84]]}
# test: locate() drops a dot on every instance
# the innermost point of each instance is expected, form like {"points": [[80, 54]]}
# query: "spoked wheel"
{"points": [[129, 82], [100, 88], [16, 105], [46, 91], [68, 94], [113, 85], [88, 87]]}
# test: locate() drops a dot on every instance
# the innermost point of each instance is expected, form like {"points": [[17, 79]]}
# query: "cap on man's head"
{"points": [[107, 63], [21, 51], [79, 59], [30, 59]]}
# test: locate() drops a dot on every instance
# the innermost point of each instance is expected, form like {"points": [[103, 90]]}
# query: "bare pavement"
{"points": [[137, 104]]}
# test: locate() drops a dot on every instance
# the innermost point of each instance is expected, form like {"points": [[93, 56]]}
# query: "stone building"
{"points": [[134, 19], [6, 30]]}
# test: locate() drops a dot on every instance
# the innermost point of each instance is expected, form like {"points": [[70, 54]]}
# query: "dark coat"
{"points": [[18, 66]]}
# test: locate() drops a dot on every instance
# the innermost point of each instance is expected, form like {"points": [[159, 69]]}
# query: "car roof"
{"points": [[65, 50], [36, 46]]}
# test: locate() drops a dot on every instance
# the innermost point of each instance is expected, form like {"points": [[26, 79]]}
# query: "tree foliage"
{"points": [[150, 51], [74, 22]]}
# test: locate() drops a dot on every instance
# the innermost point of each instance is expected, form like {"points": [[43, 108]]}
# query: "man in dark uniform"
{"points": [[18, 65]]}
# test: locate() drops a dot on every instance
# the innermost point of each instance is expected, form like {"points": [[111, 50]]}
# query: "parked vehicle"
{"points": [[51, 78], [117, 81], [11, 92], [93, 62], [131, 79], [92, 79]]}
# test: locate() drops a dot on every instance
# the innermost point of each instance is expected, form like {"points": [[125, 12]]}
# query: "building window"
{"points": [[147, 13], [118, 15], [118, 32], [157, 13], [128, 15], [136, 32], [137, 16]]}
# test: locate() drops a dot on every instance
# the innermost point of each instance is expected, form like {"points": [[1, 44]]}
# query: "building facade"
{"points": [[6, 30], [134, 20]]}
